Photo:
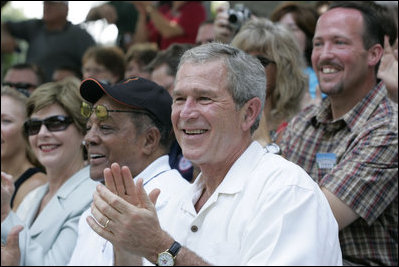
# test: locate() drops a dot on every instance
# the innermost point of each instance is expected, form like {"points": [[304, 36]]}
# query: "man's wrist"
{"points": [[163, 245]]}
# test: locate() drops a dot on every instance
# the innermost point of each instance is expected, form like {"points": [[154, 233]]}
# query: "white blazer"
{"points": [[51, 238]]}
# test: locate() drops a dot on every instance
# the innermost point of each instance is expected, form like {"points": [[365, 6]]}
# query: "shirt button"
{"points": [[194, 228]]}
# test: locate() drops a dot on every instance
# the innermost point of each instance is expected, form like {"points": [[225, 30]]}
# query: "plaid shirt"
{"points": [[361, 170]]}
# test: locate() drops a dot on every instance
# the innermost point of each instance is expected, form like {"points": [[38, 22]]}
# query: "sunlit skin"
{"points": [[340, 60], [104, 141], [59, 150], [12, 119], [205, 119]]}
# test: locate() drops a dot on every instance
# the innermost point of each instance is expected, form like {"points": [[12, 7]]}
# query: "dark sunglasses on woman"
{"points": [[53, 124]]}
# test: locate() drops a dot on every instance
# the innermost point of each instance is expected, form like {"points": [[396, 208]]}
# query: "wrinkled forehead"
{"points": [[212, 74]]}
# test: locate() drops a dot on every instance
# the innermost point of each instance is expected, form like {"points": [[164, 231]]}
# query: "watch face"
{"points": [[165, 259]]}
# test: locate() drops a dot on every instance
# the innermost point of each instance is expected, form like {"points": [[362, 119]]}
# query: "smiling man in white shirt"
{"points": [[247, 206]]}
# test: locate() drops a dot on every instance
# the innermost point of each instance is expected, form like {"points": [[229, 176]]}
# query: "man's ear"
{"points": [[151, 141], [375, 54], [250, 110]]}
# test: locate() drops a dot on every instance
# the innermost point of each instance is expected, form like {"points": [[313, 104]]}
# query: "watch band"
{"points": [[174, 249]]}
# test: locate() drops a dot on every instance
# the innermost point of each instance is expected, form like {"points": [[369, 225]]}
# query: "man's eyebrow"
{"points": [[196, 91]]}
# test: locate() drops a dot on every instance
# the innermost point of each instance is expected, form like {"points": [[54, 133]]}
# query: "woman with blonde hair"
{"points": [[55, 130], [17, 158], [277, 50]]}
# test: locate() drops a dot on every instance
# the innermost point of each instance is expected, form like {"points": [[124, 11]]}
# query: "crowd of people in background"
{"points": [[198, 140]]}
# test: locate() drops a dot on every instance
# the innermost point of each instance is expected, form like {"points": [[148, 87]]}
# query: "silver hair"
{"points": [[246, 77]]}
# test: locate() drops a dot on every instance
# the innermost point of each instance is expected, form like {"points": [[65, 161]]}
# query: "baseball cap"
{"points": [[135, 93]]}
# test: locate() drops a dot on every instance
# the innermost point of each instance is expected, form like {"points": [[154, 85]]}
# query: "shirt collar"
{"points": [[159, 165], [356, 117], [235, 178], [233, 182], [75, 180]]}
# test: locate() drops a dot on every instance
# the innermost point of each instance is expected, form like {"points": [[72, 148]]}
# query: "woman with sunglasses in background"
{"points": [[55, 130], [275, 47], [17, 158]]}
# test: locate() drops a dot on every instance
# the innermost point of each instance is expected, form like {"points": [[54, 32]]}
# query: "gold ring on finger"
{"points": [[106, 224]]}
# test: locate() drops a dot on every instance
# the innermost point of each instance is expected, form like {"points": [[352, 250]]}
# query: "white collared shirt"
{"points": [[267, 211], [93, 250]]}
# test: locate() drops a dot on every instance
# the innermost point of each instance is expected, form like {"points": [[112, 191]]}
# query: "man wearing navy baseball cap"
{"points": [[129, 123], [135, 93]]}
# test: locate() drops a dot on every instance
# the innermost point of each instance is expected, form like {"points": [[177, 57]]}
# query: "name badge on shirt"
{"points": [[326, 160]]}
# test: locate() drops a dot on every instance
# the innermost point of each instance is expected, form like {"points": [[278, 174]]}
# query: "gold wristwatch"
{"points": [[167, 258]]}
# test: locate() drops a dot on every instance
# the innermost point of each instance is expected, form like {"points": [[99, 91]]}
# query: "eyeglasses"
{"points": [[19, 85], [102, 112], [264, 61], [53, 124]]}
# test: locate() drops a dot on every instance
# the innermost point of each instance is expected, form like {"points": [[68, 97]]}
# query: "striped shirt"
{"points": [[355, 158]]}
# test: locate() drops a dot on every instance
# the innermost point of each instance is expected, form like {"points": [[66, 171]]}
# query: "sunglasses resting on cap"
{"points": [[139, 95], [53, 124], [101, 111]]}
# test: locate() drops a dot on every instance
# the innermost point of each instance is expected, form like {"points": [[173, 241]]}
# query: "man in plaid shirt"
{"points": [[349, 144]]}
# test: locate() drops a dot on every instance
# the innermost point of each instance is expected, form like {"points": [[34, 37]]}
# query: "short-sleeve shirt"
{"points": [[356, 158], [92, 249], [189, 17], [266, 211], [52, 49]]}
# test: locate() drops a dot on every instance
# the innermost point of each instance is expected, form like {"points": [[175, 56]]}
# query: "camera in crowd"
{"points": [[238, 16]]}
